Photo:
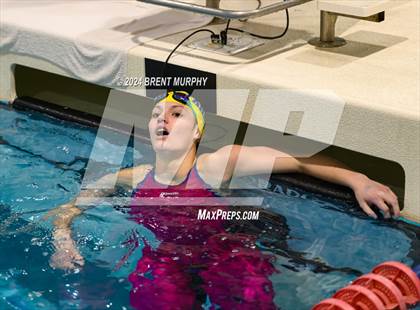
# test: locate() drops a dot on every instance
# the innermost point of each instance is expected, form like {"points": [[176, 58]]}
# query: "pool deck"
{"points": [[376, 75]]}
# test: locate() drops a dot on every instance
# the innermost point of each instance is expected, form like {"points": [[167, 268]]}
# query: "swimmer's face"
{"points": [[172, 127]]}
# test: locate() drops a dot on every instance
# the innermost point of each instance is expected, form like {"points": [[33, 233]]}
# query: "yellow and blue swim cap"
{"points": [[184, 98]]}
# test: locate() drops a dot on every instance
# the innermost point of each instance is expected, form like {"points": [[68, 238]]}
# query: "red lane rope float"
{"points": [[403, 277], [333, 304], [390, 286], [386, 290], [360, 298]]}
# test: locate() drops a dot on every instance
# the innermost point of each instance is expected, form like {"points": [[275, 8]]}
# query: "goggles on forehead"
{"points": [[184, 98], [181, 97]]}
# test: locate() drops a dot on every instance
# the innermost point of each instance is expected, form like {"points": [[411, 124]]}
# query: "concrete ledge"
{"points": [[360, 8]]}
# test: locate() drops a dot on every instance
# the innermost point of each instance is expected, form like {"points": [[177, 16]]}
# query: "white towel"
{"points": [[89, 39]]}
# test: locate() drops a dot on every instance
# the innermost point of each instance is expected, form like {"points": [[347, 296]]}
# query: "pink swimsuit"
{"points": [[195, 257]]}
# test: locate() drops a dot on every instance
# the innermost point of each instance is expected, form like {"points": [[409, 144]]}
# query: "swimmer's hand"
{"points": [[369, 192], [63, 214], [66, 255]]}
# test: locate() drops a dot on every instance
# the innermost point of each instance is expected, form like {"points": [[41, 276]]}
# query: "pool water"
{"points": [[319, 244]]}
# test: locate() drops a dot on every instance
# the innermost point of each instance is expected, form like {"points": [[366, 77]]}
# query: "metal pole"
{"points": [[215, 4], [327, 36], [328, 21]]}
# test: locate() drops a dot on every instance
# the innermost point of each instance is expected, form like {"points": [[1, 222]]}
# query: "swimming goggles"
{"points": [[185, 99]]}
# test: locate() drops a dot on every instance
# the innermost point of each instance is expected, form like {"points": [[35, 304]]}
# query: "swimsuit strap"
{"points": [[193, 178]]}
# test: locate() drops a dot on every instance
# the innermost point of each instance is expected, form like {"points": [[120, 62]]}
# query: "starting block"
{"points": [[370, 10]]}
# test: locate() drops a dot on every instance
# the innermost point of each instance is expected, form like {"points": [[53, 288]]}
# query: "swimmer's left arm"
{"points": [[243, 160], [367, 192]]}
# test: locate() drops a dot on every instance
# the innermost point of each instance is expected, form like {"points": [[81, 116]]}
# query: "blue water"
{"points": [[320, 244]]}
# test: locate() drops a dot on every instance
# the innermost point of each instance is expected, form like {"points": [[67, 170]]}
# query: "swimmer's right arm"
{"points": [[65, 213], [66, 254]]}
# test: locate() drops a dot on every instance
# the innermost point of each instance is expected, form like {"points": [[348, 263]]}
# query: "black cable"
{"points": [[180, 43], [223, 34], [227, 26], [265, 37]]}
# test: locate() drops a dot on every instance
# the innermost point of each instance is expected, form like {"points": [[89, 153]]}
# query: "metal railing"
{"points": [[212, 8]]}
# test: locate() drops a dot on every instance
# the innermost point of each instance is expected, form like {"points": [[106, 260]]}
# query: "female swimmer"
{"points": [[226, 268]]}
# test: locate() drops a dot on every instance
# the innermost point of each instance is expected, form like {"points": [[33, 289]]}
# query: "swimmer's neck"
{"points": [[172, 169]]}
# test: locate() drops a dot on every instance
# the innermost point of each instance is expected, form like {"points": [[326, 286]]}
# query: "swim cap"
{"points": [[184, 98]]}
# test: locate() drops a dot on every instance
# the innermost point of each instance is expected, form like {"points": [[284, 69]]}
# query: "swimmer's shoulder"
{"points": [[216, 168], [135, 175]]}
